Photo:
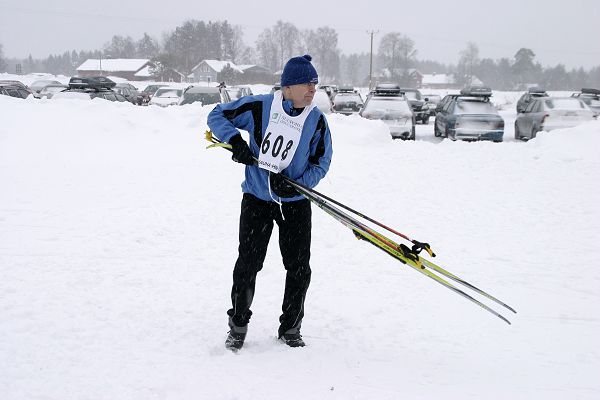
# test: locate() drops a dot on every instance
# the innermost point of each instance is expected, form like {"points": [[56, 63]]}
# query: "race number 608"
{"points": [[277, 144]]}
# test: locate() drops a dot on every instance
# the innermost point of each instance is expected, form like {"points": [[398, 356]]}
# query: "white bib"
{"points": [[282, 136]]}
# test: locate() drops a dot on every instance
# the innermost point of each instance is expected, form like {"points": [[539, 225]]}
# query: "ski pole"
{"points": [[417, 245]]}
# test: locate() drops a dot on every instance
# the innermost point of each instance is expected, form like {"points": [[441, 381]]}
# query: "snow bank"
{"points": [[118, 234]]}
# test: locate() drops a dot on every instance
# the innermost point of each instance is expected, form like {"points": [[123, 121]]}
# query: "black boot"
{"points": [[236, 336], [235, 340], [292, 338]]}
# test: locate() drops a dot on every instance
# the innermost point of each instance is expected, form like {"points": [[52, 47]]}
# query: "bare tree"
{"points": [[120, 47], [322, 46], [147, 47], [469, 60], [275, 46], [397, 53]]}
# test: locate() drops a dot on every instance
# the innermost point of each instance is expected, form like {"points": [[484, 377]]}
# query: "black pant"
{"points": [[256, 225]]}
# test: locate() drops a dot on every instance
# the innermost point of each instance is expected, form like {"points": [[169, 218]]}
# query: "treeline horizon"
{"points": [[394, 60]]}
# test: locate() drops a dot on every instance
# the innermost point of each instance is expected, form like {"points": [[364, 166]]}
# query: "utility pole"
{"points": [[371, 61]]}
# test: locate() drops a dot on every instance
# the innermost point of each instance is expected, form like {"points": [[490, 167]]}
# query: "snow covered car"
{"points": [[37, 86], [166, 96], [236, 92], [323, 101], [469, 115], [528, 97], [148, 92], [13, 90], [50, 90], [591, 97], [97, 87], [129, 91], [347, 101], [415, 99], [205, 95], [388, 104], [549, 113]]}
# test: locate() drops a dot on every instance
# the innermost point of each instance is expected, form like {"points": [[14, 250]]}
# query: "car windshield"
{"points": [[53, 89], [412, 95], [590, 101], [345, 98], [151, 88], [379, 107], [235, 93], [474, 107], [168, 92], [564, 104], [204, 98]]}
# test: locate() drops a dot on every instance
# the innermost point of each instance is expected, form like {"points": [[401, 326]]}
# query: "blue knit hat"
{"points": [[299, 70]]}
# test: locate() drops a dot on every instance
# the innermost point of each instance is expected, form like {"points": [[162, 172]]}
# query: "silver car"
{"points": [[166, 96], [549, 113], [390, 106]]}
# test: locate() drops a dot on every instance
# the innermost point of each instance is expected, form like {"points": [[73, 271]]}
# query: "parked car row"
{"points": [[101, 87], [468, 115]]}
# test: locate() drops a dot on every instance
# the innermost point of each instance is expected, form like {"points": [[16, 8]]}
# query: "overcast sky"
{"points": [[558, 31]]}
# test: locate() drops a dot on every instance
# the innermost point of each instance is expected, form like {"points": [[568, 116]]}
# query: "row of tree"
{"points": [[395, 60]]}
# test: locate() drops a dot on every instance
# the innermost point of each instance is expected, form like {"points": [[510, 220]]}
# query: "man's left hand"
{"points": [[281, 187]]}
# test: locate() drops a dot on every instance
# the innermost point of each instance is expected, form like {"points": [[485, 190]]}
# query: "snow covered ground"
{"points": [[118, 234]]}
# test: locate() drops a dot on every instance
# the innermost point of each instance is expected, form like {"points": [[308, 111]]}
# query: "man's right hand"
{"points": [[241, 151]]}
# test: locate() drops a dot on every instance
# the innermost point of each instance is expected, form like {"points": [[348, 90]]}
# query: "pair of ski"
{"points": [[401, 252]]}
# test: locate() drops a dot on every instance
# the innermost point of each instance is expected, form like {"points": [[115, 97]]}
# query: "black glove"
{"points": [[280, 187], [241, 151]]}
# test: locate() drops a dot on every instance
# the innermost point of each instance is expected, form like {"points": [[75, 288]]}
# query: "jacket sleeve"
{"points": [[320, 155], [245, 113]]}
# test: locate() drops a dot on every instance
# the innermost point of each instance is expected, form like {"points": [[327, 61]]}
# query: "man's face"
{"points": [[301, 95]]}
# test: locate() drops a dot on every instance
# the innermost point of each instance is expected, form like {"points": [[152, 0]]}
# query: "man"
{"points": [[288, 136]]}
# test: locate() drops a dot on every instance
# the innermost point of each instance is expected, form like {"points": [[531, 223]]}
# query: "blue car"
{"points": [[469, 116]]}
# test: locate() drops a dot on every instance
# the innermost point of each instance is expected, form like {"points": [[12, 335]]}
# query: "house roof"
{"points": [[113, 64], [218, 66], [144, 72], [254, 67]]}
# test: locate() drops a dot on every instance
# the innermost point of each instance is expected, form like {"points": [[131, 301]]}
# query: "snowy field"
{"points": [[118, 235]]}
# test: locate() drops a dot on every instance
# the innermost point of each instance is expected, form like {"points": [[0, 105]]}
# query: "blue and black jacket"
{"points": [[251, 113]]}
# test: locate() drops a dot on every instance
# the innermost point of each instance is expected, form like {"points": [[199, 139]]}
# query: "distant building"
{"points": [[255, 74], [404, 77], [445, 81], [132, 69], [210, 70]]}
